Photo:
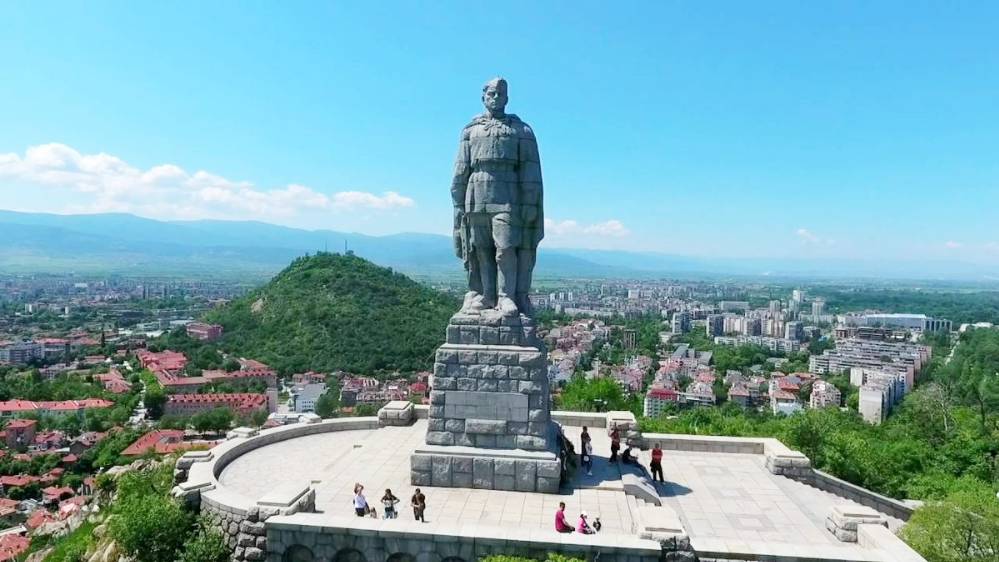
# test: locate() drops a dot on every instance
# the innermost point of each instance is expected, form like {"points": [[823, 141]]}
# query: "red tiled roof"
{"points": [[17, 480], [240, 400], [39, 518], [13, 545], [663, 393], [16, 424], [153, 440]]}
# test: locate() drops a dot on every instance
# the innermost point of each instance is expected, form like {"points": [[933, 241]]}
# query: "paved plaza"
{"points": [[721, 498]]}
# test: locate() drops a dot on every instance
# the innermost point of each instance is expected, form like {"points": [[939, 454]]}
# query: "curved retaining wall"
{"points": [[241, 519]]}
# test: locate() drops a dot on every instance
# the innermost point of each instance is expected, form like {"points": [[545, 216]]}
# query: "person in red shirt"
{"points": [[657, 463], [560, 523]]}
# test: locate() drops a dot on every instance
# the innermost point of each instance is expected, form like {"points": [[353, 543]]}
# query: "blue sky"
{"points": [[799, 129]]}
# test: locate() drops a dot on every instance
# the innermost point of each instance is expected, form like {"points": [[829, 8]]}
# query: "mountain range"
{"points": [[129, 244]]}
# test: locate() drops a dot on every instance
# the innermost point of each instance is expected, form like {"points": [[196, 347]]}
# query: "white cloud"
{"points": [[952, 245], [355, 199], [109, 184], [806, 235], [611, 228], [810, 238]]}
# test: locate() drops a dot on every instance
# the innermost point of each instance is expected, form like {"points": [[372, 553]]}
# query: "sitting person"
{"points": [[561, 525], [584, 527], [628, 457]]}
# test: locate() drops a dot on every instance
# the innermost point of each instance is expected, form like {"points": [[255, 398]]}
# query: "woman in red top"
{"points": [[657, 463]]}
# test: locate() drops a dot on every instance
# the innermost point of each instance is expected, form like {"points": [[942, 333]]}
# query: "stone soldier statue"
{"points": [[498, 218]]}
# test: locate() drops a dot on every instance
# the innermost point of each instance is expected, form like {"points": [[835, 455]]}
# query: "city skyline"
{"points": [[853, 132]]}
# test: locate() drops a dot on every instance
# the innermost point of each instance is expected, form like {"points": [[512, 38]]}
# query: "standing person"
{"points": [[657, 463], [419, 503], [388, 501], [588, 458], [560, 523], [584, 438], [615, 444], [360, 502]]}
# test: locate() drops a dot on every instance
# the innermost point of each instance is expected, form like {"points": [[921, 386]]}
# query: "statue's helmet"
{"points": [[497, 83], [494, 94]]}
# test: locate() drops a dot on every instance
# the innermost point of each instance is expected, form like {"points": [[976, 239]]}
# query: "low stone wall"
{"points": [[879, 537], [842, 488], [313, 537], [580, 419], [244, 530]]}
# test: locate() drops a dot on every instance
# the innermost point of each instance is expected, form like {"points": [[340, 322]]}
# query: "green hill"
{"points": [[332, 311]]}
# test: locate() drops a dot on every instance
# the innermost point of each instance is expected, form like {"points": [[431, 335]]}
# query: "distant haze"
{"points": [[123, 243]]}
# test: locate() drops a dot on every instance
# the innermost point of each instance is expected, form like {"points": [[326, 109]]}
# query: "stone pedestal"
{"points": [[396, 412], [843, 520], [489, 424]]}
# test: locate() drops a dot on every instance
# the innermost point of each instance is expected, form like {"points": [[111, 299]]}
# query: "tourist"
{"points": [[584, 438], [597, 524], [584, 527], [419, 503], [657, 463], [588, 458], [615, 444], [360, 502], [560, 524], [388, 501], [627, 457]]}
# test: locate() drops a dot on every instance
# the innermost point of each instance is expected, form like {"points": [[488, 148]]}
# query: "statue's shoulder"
{"points": [[479, 119], [522, 128]]}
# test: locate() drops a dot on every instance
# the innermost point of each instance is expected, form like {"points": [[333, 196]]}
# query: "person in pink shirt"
{"points": [[583, 526], [560, 523]]}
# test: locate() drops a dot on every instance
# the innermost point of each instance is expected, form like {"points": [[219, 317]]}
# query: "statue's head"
{"points": [[494, 96]]}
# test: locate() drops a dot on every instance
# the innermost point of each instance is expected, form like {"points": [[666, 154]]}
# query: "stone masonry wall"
{"points": [[490, 394]]}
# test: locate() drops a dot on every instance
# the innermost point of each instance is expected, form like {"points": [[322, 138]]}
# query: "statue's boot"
{"points": [[472, 303], [507, 306]]}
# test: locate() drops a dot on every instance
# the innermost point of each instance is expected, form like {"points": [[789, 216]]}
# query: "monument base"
{"points": [[486, 469]]}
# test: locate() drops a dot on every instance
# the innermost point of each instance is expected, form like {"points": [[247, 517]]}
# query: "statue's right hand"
{"points": [[459, 246]]}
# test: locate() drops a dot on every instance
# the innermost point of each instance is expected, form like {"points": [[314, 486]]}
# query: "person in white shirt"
{"points": [[360, 502]]}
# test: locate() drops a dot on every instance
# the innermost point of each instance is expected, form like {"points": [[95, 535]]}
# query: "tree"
{"points": [[965, 528], [327, 405], [365, 409], [206, 545], [216, 419], [598, 394], [155, 400], [146, 521], [150, 527]]}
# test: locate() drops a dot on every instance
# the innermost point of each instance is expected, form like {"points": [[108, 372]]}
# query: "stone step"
{"points": [[641, 487]]}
